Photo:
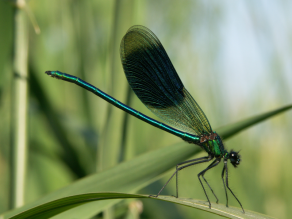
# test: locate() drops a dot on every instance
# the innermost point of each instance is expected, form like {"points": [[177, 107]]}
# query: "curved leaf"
{"points": [[55, 207], [137, 173], [129, 177]]}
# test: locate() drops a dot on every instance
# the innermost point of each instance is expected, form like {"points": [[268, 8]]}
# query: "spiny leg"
{"points": [[225, 166], [222, 175], [194, 162], [213, 164], [188, 161], [202, 173]]}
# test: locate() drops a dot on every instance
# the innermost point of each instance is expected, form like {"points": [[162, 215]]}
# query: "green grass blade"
{"points": [[68, 154], [137, 173], [232, 129], [18, 143], [55, 207], [126, 177]]}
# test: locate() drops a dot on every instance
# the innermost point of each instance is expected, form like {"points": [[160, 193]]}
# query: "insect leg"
{"points": [[191, 163], [213, 164], [225, 166]]}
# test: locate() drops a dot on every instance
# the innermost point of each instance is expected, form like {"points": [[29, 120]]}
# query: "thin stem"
{"points": [[123, 148], [102, 161], [19, 108]]}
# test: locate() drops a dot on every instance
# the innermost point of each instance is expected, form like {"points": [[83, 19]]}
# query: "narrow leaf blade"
{"points": [[55, 207]]}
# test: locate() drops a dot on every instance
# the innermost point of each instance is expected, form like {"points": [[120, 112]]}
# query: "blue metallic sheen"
{"points": [[70, 78]]}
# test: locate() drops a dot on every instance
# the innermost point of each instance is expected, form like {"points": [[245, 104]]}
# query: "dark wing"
{"points": [[154, 80]]}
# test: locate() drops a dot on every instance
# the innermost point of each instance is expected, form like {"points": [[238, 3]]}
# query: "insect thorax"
{"points": [[212, 144]]}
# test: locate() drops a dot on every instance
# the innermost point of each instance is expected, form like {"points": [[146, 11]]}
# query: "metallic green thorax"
{"points": [[214, 146]]}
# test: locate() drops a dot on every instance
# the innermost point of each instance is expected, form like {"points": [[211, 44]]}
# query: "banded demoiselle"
{"points": [[154, 80]]}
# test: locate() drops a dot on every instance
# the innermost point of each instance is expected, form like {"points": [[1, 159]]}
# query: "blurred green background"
{"points": [[233, 57]]}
